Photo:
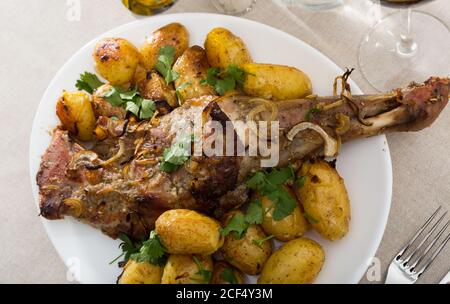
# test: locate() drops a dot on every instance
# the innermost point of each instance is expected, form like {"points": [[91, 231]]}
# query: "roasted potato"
{"points": [[188, 232], [223, 48], [276, 82], [224, 273], [291, 227], [141, 273], [173, 34], [297, 262], [76, 114], [243, 253], [116, 59], [155, 88], [102, 107], [325, 199], [192, 67], [184, 269]]}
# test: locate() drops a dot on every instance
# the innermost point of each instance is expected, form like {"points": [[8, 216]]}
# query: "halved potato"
{"points": [[76, 114], [116, 59], [276, 82], [223, 49], [141, 273], [174, 34]]}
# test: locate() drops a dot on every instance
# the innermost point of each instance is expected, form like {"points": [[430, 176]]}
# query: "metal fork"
{"points": [[411, 262]]}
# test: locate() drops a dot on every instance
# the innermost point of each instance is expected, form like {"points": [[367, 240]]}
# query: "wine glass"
{"points": [[405, 46], [234, 7], [148, 7]]}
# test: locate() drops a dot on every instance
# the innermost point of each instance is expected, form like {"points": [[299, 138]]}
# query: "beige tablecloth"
{"points": [[37, 39]]}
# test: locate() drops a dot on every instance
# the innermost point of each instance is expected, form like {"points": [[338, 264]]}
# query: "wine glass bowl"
{"points": [[404, 46]]}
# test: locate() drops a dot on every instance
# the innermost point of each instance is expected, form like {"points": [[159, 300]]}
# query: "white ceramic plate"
{"points": [[364, 164]]}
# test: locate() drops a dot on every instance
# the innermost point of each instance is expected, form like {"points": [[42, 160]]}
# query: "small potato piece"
{"points": [[291, 227], [224, 273], [155, 88], [276, 82], [192, 67], [223, 48], [141, 273], [183, 269], [102, 107], [188, 232], [325, 199], [243, 253], [173, 34], [296, 262], [76, 114], [116, 59]]}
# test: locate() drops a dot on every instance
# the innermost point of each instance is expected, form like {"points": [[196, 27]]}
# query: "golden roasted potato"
{"points": [[296, 262], [243, 253], [224, 273], [141, 273], [173, 34], [116, 59], [102, 107], [185, 269], [192, 67], [155, 88], [76, 114], [223, 48], [291, 227], [188, 232], [325, 199], [276, 82]]}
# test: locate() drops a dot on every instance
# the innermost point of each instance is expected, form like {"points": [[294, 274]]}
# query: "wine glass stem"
{"points": [[407, 46]]}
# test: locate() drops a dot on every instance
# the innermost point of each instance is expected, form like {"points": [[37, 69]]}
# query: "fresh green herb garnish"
{"points": [[270, 184], [224, 81], [300, 181], [260, 243], [204, 273], [176, 155], [228, 276], [254, 213], [239, 223], [151, 251], [88, 82], [310, 218], [165, 62], [131, 101], [310, 113], [181, 87], [236, 224], [128, 248]]}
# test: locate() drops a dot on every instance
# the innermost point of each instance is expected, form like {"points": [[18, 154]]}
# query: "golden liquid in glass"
{"points": [[148, 7]]}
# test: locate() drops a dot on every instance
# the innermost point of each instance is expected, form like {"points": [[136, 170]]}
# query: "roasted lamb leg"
{"points": [[117, 185]]}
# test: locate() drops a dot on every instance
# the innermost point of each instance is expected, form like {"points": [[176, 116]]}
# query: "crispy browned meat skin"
{"points": [[127, 195]]}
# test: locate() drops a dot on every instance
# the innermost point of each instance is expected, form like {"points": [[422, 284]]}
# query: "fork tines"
{"points": [[418, 255]]}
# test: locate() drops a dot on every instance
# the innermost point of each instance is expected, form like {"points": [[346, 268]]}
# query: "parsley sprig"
{"points": [[128, 248], [270, 185], [165, 62], [151, 251], [224, 81], [261, 242], [88, 82], [177, 154], [228, 276], [130, 100], [239, 223], [205, 275]]}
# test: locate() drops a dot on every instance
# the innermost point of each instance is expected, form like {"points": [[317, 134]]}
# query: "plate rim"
{"points": [[371, 252]]}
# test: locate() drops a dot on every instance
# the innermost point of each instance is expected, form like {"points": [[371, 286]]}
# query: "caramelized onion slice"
{"points": [[331, 147]]}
